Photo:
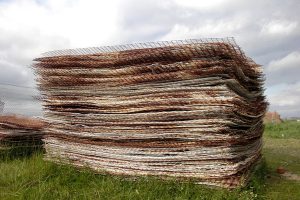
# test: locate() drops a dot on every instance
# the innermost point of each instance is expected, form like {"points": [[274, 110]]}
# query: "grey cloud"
{"points": [[20, 100], [14, 74], [284, 70], [17, 49], [145, 21], [286, 100]]}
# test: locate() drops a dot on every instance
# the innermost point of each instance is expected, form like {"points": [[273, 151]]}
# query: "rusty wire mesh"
{"points": [[185, 109], [20, 135]]}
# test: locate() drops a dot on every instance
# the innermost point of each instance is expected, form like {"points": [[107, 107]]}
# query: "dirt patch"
{"points": [[291, 176]]}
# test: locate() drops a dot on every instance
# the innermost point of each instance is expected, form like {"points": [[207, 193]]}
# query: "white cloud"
{"points": [[83, 23], [200, 4], [286, 100], [279, 27]]}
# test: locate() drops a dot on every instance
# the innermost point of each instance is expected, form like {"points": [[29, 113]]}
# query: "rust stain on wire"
{"points": [[186, 109]]}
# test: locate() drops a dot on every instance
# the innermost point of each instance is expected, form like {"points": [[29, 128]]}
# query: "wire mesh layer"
{"points": [[189, 109], [20, 132]]}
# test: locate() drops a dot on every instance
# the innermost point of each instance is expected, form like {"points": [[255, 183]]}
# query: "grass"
{"points": [[33, 178], [287, 129], [285, 153]]}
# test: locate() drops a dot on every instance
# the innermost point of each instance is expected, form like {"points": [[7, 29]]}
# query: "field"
{"points": [[31, 177]]}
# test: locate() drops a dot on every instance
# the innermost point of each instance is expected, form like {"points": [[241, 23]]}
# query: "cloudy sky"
{"points": [[267, 30]]}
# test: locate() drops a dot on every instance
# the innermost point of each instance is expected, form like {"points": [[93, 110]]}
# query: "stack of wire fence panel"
{"points": [[188, 109], [20, 135]]}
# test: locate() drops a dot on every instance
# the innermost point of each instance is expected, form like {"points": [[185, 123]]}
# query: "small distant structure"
{"points": [[294, 119], [272, 117]]}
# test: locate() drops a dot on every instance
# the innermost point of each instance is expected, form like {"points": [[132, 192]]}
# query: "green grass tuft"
{"points": [[284, 130], [34, 178]]}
